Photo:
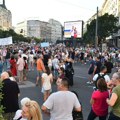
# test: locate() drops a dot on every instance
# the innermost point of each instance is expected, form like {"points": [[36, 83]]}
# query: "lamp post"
{"points": [[96, 30]]}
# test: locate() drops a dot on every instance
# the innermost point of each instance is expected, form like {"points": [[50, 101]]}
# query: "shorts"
{"points": [[20, 73], [39, 73], [25, 71], [43, 90]]}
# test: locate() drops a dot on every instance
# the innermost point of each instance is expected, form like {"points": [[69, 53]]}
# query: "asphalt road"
{"points": [[80, 78]]}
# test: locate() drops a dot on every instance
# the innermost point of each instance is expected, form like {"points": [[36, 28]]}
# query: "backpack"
{"points": [[99, 77]]}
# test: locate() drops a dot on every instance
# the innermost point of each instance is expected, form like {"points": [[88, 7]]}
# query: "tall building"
{"points": [[113, 7], [22, 28], [110, 7], [49, 31], [45, 30], [5, 17], [34, 28], [56, 30]]}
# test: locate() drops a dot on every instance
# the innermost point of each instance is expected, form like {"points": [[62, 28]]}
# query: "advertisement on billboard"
{"points": [[73, 29]]}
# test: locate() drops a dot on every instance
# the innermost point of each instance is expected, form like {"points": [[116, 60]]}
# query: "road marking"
{"points": [[27, 84], [80, 76], [77, 68]]}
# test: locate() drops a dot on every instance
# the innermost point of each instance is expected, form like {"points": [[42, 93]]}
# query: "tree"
{"points": [[107, 24], [16, 37], [1, 107]]}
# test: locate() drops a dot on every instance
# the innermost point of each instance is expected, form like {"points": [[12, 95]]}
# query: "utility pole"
{"points": [[96, 30]]}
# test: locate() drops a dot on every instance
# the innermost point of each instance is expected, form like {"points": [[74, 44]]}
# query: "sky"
{"points": [[60, 10]]}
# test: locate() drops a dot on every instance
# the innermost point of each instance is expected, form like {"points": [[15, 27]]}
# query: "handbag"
{"points": [[77, 115]]}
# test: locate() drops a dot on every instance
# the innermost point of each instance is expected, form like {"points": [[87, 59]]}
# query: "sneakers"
{"points": [[94, 88], [89, 82]]}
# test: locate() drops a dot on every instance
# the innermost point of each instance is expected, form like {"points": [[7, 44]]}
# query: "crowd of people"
{"points": [[54, 64]]}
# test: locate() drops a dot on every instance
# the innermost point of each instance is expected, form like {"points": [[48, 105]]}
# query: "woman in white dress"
{"points": [[47, 79], [50, 63], [31, 61]]}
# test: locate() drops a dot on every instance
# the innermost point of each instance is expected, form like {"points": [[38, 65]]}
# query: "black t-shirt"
{"points": [[10, 92], [98, 64], [109, 66], [7, 55], [45, 60]]}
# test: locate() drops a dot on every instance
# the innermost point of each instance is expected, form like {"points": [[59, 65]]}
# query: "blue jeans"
{"points": [[7, 63], [92, 116], [56, 73]]}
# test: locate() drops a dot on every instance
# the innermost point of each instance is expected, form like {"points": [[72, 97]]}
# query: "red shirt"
{"points": [[100, 107]]}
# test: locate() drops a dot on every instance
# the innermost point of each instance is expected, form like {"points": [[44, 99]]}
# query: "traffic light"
{"points": [[21, 31]]}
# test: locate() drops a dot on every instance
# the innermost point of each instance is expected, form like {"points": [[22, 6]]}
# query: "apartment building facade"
{"points": [[5, 17], [56, 30], [110, 7], [34, 28], [113, 7], [48, 31]]}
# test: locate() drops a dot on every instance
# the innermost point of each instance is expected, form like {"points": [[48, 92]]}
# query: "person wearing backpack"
{"points": [[102, 74], [98, 65]]}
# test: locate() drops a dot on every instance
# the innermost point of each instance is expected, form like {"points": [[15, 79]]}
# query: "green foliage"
{"points": [[1, 107], [38, 40], [107, 24], [16, 37]]}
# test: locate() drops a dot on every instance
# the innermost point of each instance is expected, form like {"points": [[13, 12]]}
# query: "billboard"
{"points": [[73, 29], [6, 41], [44, 44]]}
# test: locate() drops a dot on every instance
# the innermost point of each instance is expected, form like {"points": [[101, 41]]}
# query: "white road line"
{"points": [[27, 84], [80, 76]]}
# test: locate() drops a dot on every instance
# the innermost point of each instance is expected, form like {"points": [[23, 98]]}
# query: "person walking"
{"points": [[69, 71], [40, 68], [31, 111], [20, 68], [47, 79], [114, 101], [91, 69], [10, 91], [13, 66], [62, 103], [18, 114], [98, 101], [103, 75]]}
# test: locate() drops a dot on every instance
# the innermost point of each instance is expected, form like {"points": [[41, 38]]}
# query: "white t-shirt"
{"points": [[24, 55], [55, 63], [31, 56], [61, 105], [119, 56], [18, 114], [107, 78], [49, 62], [20, 64], [46, 83]]}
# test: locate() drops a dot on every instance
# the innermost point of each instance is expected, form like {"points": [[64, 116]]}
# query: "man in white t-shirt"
{"points": [[20, 67], [62, 103], [55, 63], [103, 71]]}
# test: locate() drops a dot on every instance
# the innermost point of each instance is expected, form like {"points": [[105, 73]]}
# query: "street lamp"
{"points": [[96, 30]]}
